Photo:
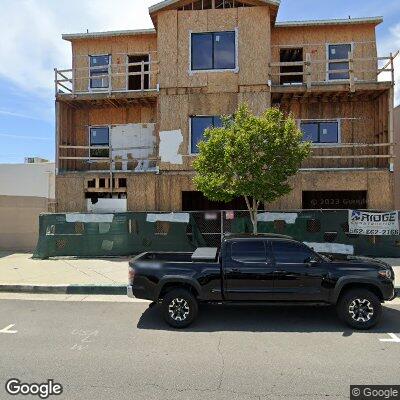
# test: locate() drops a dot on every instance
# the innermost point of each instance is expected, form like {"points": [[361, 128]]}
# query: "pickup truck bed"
{"points": [[151, 278]]}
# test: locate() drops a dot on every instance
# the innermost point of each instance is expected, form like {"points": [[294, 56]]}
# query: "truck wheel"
{"points": [[359, 308], [180, 308]]}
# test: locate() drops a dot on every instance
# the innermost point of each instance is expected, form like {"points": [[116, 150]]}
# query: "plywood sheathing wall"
{"points": [[163, 192], [70, 193], [74, 129], [360, 123], [314, 39], [183, 94], [174, 29], [378, 184], [118, 47]]}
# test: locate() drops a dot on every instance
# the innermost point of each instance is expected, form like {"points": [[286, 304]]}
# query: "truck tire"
{"points": [[359, 308], [180, 308]]}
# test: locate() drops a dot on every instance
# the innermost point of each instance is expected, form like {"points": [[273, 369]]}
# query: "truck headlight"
{"points": [[385, 273]]}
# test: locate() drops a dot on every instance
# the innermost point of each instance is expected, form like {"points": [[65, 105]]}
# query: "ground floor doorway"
{"points": [[196, 201]]}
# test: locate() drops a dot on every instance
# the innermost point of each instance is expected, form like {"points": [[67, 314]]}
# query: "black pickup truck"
{"points": [[261, 269]]}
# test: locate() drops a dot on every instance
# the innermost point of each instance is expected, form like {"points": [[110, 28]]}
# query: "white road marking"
{"points": [[7, 329], [394, 338]]}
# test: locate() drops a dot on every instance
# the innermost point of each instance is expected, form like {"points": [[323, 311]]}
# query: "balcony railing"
{"points": [[128, 77], [350, 156], [107, 158], [313, 71]]}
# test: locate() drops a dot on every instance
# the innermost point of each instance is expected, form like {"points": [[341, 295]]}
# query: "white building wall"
{"points": [[28, 180]]}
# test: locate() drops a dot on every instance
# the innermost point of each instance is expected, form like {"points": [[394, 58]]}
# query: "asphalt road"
{"points": [[121, 350]]}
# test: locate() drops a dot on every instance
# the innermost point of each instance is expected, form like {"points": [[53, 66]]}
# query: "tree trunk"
{"points": [[253, 210]]}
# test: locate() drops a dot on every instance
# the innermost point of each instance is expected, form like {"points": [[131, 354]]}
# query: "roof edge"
{"points": [[96, 35], [345, 21], [166, 3]]}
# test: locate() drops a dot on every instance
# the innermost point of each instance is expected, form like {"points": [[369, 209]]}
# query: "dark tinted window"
{"points": [[248, 251], [320, 132], [99, 69], [99, 61], [99, 136], [328, 132], [224, 50], [202, 51], [339, 52], [290, 252], [199, 125], [213, 51], [310, 132]]}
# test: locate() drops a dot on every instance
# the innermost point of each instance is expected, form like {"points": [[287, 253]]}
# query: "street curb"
{"points": [[65, 289], [77, 289]]}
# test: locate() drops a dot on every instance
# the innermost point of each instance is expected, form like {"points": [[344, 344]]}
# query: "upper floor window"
{"points": [[338, 52], [198, 125], [213, 51], [99, 137], [99, 74], [320, 131]]}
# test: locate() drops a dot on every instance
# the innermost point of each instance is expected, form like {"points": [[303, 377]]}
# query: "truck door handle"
{"points": [[234, 270], [280, 272]]}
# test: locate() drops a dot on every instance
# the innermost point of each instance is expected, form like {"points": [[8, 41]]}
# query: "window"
{"points": [[248, 251], [198, 126], [99, 77], [291, 252], [213, 51], [320, 131], [338, 52], [135, 82], [287, 56], [99, 136]]}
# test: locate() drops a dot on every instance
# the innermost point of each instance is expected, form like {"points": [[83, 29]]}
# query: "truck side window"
{"points": [[248, 251], [290, 253]]}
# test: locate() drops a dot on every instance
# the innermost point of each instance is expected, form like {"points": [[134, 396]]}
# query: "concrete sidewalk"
{"points": [[20, 273]]}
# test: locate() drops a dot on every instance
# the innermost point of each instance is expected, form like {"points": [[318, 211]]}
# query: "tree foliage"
{"points": [[250, 156]]}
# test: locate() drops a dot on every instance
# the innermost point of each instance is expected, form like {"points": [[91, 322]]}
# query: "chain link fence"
{"points": [[124, 234]]}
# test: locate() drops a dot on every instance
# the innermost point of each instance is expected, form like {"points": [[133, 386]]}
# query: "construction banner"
{"points": [[373, 224]]}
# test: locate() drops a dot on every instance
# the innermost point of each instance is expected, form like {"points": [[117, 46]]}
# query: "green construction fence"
{"points": [[125, 234]]}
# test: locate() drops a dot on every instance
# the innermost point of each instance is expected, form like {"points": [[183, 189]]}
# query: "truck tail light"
{"points": [[131, 274]]}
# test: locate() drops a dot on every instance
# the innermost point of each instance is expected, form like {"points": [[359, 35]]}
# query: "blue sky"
{"points": [[31, 29]]}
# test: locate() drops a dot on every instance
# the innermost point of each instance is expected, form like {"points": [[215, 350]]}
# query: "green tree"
{"points": [[250, 156]]}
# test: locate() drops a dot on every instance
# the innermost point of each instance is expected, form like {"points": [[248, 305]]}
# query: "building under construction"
{"points": [[131, 110]]}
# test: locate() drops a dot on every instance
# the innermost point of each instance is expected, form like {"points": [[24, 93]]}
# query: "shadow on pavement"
{"points": [[9, 253], [305, 319]]}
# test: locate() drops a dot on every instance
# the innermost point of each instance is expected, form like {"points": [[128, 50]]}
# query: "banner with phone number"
{"points": [[372, 223]]}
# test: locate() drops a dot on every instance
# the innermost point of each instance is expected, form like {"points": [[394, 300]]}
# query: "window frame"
{"points": [[190, 130], [234, 70], [127, 72], [333, 61], [321, 121], [105, 88], [94, 147]]}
